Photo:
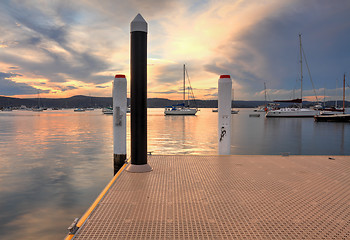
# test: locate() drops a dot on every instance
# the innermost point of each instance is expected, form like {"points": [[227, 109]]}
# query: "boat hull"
{"points": [[188, 111], [292, 112], [333, 118]]}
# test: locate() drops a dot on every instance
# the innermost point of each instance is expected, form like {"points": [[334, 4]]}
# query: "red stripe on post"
{"points": [[225, 76], [120, 76]]}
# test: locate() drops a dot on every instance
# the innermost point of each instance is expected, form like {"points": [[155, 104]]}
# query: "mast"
{"points": [[233, 97], [301, 71], [184, 93], [344, 94], [38, 99], [336, 94], [265, 91], [324, 97]]}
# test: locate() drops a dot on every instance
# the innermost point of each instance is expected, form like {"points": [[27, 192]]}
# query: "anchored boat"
{"points": [[327, 116], [333, 118], [294, 111], [182, 109]]}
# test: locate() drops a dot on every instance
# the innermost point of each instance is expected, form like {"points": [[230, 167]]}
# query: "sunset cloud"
{"points": [[87, 42]]}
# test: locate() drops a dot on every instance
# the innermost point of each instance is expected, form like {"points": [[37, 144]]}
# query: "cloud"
{"points": [[166, 92], [254, 42], [14, 68], [9, 87], [46, 47], [268, 50], [66, 88], [167, 73]]}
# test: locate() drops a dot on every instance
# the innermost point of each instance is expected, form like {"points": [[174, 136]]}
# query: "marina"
{"points": [[58, 161], [196, 175]]}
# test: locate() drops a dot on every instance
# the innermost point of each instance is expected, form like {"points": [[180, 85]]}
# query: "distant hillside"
{"points": [[86, 101]]}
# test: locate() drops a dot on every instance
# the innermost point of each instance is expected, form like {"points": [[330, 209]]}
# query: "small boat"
{"points": [[182, 109], [262, 108], [233, 111], [179, 109], [79, 110], [335, 115], [107, 110], [38, 108], [334, 110], [329, 111], [292, 112], [333, 118], [266, 108]]}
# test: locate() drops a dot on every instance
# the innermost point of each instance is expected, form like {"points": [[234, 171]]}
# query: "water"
{"points": [[54, 164]]}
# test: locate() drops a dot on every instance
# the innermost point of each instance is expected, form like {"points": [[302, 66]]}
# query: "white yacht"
{"points": [[107, 110], [295, 111], [181, 109], [292, 112]]}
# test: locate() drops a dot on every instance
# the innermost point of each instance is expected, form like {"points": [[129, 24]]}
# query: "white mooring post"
{"points": [[119, 121], [224, 113]]}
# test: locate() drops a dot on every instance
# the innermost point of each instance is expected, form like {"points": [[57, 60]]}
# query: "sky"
{"points": [[62, 48]]}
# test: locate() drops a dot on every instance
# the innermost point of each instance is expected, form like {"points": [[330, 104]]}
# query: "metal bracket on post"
{"points": [[73, 227], [118, 116]]}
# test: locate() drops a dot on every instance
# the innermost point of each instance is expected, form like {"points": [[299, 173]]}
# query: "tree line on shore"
{"points": [[100, 102]]}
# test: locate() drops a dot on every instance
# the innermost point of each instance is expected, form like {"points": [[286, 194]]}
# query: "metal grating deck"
{"points": [[227, 197]]}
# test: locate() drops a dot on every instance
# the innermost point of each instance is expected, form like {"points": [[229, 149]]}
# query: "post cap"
{"points": [[119, 76], [139, 24], [225, 76]]}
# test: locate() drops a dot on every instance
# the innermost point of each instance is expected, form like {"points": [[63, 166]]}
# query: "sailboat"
{"points": [[38, 108], [327, 116], [262, 108], [182, 108], [267, 106], [233, 111], [294, 111]]}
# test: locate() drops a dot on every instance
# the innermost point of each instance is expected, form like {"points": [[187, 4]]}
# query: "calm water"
{"points": [[53, 164]]}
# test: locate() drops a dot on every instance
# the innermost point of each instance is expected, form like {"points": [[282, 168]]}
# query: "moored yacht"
{"points": [[181, 109], [337, 115], [292, 112], [295, 111]]}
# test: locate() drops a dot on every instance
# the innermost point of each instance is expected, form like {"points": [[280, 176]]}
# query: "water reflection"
{"points": [[48, 170], [54, 164], [284, 135], [181, 134]]}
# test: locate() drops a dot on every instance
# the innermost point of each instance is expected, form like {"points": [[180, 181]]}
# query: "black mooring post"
{"points": [[138, 70]]}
